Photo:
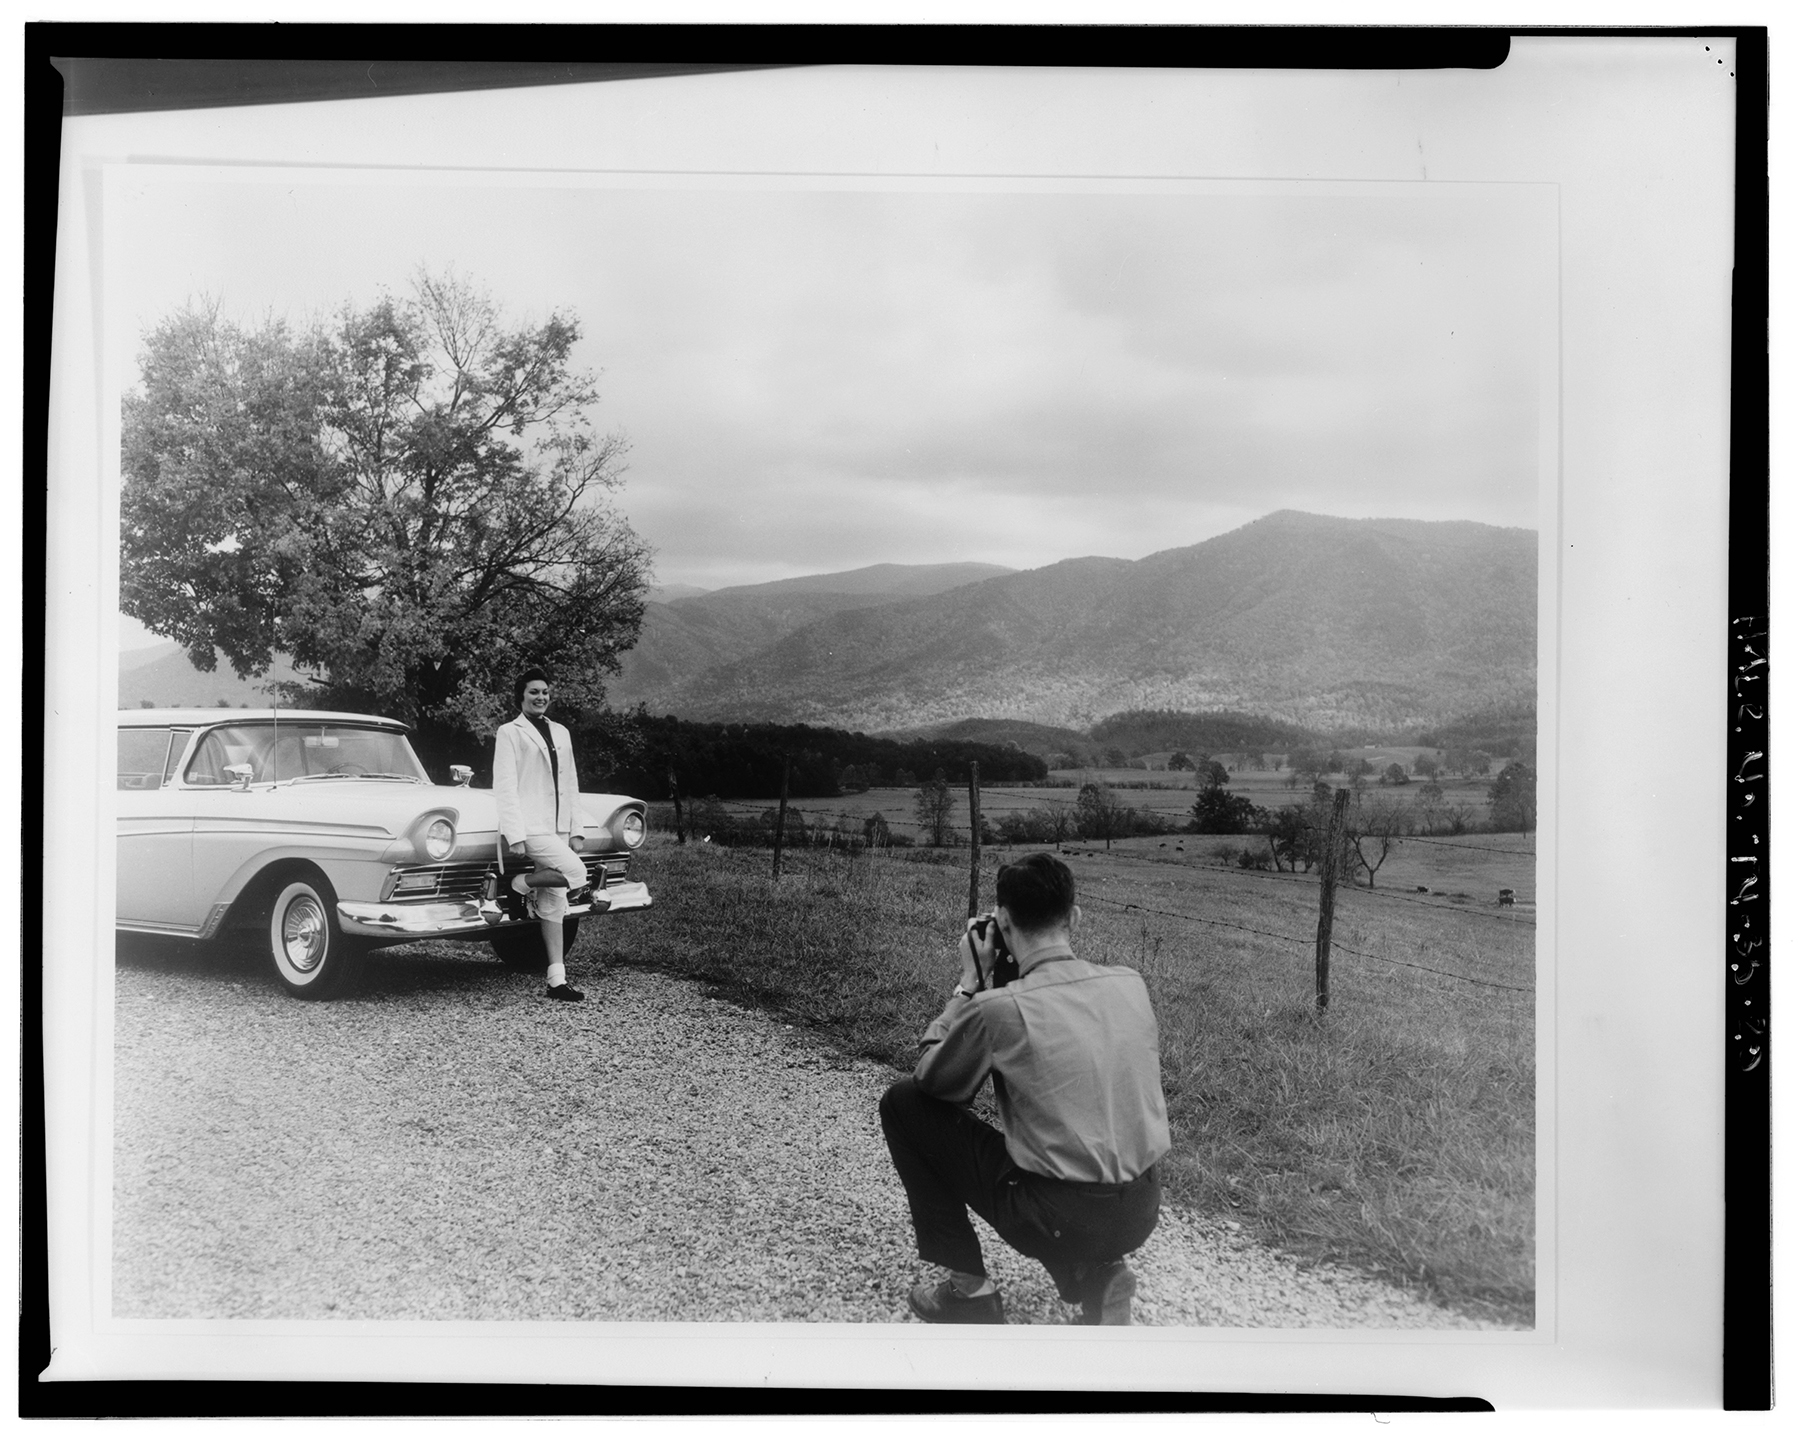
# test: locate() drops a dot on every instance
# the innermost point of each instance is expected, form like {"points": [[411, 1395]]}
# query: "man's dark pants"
{"points": [[950, 1162]]}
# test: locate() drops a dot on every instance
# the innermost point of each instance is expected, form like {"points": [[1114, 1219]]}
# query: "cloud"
{"points": [[817, 379]]}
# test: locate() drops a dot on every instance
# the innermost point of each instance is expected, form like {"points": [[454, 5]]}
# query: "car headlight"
{"points": [[631, 829], [440, 838]]}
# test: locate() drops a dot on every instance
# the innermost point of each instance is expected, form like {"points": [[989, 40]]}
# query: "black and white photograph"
{"points": [[826, 749], [916, 534]]}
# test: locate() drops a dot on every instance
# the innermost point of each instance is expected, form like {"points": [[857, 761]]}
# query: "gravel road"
{"points": [[449, 1145]]}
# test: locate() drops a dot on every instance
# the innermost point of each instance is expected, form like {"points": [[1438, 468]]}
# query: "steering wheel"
{"points": [[349, 767]]}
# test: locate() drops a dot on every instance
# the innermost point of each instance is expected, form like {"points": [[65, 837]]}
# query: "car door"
{"points": [[155, 831]]}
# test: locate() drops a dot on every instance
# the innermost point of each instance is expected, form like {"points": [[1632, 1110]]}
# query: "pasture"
{"points": [[1169, 795], [1395, 1132]]}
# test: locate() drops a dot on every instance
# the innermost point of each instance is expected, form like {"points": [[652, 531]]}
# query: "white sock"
{"points": [[555, 975], [972, 1286]]}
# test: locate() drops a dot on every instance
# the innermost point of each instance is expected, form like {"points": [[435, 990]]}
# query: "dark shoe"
{"points": [[1107, 1293], [941, 1304], [564, 991]]}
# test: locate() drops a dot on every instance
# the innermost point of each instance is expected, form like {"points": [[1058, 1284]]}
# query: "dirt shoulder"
{"points": [[450, 1146]]}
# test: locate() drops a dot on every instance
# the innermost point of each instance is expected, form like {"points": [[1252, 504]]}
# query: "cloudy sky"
{"points": [[816, 380]]}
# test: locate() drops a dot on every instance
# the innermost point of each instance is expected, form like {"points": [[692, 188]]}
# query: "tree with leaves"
{"points": [[1218, 811], [1210, 774], [933, 806], [410, 501], [1467, 762], [1293, 836], [1307, 764], [1513, 798], [1099, 814]]}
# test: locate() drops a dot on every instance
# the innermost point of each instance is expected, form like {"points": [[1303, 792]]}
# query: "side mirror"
{"points": [[461, 774], [239, 775]]}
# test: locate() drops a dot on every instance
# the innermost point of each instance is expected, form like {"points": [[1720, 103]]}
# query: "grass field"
{"points": [[1170, 795], [1395, 1132]]}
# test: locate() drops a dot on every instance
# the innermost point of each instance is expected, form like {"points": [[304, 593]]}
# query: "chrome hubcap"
{"points": [[303, 933]]}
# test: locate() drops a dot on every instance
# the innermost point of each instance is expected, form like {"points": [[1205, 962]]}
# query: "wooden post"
{"points": [[675, 794], [781, 816], [1328, 868], [974, 838]]}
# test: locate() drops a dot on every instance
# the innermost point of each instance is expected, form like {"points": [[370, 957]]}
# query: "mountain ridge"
{"points": [[1310, 619], [1327, 623]]}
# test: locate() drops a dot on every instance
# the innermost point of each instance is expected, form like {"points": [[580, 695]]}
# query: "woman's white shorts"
{"points": [[551, 851]]}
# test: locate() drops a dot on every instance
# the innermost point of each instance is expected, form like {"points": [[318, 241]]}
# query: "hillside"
{"points": [[162, 675], [1040, 740], [1164, 731], [689, 635], [1307, 619]]}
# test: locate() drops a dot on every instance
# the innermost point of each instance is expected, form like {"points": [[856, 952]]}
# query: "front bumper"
{"points": [[450, 918]]}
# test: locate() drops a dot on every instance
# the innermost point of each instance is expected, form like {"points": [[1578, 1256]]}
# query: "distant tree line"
{"points": [[1214, 732], [1292, 836], [744, 760], [1511, 730]]}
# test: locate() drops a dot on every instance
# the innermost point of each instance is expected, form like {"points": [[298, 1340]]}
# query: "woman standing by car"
{"points": [[535, 789]]}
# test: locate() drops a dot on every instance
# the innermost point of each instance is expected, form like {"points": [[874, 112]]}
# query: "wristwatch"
{"points": [[963, 993]]}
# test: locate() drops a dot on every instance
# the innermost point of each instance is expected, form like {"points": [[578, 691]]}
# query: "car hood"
{"points": [[392, 807]]}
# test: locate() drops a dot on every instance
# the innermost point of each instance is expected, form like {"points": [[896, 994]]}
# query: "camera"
{"points": [[1006, 968]]}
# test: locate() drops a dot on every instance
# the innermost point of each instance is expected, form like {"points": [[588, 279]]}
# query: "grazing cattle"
{"points": [[1506, 896], [1422, 888]]}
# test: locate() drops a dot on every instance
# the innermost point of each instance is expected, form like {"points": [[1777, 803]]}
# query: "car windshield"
{"points": [[300, 751]]}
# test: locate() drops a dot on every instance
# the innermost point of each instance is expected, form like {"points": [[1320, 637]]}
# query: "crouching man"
{"points": [[1072, 1048]]}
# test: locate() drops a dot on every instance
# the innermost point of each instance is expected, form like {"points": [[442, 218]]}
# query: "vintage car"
{"points": [[322, 835]]}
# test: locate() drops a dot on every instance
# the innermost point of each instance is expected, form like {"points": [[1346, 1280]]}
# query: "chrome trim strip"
{"points": [[425, 921], [429, 920], [214, 918], [151, 926]]}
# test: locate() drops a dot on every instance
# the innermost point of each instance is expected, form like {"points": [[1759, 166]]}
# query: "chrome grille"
{"points": [[466, 880], [449, 881]]}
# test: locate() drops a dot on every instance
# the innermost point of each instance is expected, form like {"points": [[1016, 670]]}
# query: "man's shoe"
{"points": [[1107, 1294], [941, 1304], [563, 991]]}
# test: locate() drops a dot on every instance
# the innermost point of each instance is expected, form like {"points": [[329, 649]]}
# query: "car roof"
{"points": [[197, 717]]}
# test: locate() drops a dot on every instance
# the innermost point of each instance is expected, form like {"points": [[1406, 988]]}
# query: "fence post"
{"points": [[974, 838], [1328, 868], [781, 816], [675, 794]]}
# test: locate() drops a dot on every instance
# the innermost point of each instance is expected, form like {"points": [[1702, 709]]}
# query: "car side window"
{"points": [[230, 745], [143, 757]]}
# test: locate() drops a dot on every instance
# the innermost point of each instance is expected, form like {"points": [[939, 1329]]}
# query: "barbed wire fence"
{"points": [[1301, 945]]}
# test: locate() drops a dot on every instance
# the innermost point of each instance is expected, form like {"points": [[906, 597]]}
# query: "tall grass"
{"points": [[1394, 1132]]}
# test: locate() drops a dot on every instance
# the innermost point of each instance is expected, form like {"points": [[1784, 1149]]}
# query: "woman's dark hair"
{"points": [[534, 673], [1038, 891]]}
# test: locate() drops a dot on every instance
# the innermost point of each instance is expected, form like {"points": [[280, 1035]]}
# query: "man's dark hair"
{"points": [[534, 673], [1038, 891]]}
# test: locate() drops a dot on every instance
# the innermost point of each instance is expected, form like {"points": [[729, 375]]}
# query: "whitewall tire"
{"points": [[313, 957]]}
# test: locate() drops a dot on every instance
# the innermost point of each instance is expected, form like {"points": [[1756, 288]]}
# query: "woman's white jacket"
{"points": [[529, 802]]}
